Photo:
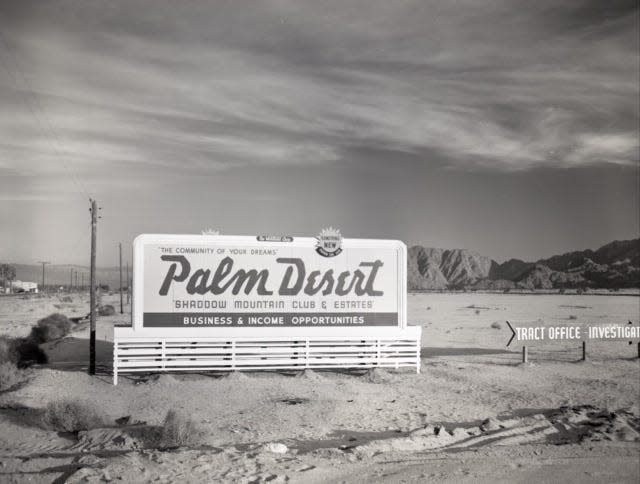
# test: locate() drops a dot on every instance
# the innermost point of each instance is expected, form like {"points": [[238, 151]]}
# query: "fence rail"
{"points": [[230, 354]]}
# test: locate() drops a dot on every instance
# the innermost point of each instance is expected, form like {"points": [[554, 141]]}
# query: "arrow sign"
{"points": [[540, 333], [513, 335]]}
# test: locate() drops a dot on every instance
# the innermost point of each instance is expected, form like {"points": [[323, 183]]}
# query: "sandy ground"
{"points": [[474, 414]]}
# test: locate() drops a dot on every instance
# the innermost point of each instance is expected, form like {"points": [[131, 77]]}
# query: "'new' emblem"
{"points": [[329, 242]]}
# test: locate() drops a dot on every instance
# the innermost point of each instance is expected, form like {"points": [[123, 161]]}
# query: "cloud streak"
{"points": [[199, 86]]}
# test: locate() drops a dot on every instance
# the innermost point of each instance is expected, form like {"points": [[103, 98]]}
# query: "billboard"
{"points": [[203, 281]]}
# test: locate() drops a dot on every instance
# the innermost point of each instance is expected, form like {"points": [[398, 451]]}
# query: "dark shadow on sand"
{"points": [[72, 353], [435, 351]]}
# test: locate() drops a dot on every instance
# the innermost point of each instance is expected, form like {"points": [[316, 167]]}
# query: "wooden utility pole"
{"points": [[43, 264], [121, 295], [92, 289]]}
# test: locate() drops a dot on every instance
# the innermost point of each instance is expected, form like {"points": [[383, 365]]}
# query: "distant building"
{"points": [[24, 286]]}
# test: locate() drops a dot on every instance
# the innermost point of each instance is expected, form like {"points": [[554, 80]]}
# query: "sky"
{"points": [[510, 128]]}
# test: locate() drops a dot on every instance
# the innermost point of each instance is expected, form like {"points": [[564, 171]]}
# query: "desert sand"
{"points": [[474, 414]]}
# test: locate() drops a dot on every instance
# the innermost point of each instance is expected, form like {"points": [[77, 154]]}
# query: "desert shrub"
{"points": [[53, 327], [28, 352], [496, 325], [8, 352], [10, 375], [71, 416], [106, 310], [573, 316], [20, 352], [177, 430]]}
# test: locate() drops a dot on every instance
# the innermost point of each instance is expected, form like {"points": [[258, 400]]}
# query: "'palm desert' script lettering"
{"points": [[294, 281]]}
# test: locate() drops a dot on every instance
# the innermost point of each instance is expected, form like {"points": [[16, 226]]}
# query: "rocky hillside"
{"points": [[440, 268], [615, 265]]}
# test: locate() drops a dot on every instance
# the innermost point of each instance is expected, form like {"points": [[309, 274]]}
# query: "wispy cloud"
{"points": [[200, 86]]}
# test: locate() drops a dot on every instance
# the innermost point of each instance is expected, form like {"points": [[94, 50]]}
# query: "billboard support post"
{"points": [[121, 295]]}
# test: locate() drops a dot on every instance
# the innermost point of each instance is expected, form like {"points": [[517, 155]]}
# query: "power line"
{"points": [[45, 125]]}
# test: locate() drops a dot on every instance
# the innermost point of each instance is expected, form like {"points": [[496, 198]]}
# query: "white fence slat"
{"points": [[228, 354]]}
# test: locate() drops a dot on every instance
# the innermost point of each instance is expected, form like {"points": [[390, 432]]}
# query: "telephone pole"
{"points": [[43, 264], [121, 302], [92, 289]]}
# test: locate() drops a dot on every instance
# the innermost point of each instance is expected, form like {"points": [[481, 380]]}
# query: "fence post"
{"points": [[115, 361], [524, 354], [306, 353], [233, 355]]}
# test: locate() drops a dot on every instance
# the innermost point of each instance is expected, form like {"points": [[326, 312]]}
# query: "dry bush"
{"points": [[8, 352], [54, 326], [177, 431], [106, 310], [10, 375], [29, 352], [71, 416], [496, 325], [20, 352]]}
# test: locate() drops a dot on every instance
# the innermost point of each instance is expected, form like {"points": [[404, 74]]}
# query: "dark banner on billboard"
{"points": [[172, 320]]}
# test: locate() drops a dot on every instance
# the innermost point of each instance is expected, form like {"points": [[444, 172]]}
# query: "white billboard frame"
{"points": [[253, 241]]}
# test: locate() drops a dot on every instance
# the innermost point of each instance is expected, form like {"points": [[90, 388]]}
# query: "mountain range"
{"points": [[612, 266]]}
